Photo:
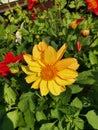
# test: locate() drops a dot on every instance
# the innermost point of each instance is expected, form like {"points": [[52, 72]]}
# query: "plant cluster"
{"points": [[49, 66]]}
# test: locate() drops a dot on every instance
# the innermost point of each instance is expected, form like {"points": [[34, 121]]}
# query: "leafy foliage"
{"points": [[22, 108]]}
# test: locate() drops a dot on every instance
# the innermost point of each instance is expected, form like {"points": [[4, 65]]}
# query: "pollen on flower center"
{"points": [[48, 72]]}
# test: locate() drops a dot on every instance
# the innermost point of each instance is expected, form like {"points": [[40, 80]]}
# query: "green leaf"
{"points": [[40, 116], [6, 124], [85, 77], [93, 58], [26, 102], [29, 118], [92, 118], [2, 113], [75, 88], [60, 125], [14, 117], [79, 123], [11, 29], [21, 121], [9, 95], [69, 110], [72, 4], [55, 114], [77, 103], [24, 128], [48, 126], [68, 127]]}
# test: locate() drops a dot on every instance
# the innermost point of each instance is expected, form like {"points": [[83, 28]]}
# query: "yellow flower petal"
{"points": [[64, 82], [36, 53], [50, 55], [42, 46], [74, 25], [28, 58], [70, 81], [54, 88], [74, 65], [31, 78], [26, 70], [67, 63], [67, 74], [44, 88], [35, 85], [36, 69], [60, 81], [61, 52]]}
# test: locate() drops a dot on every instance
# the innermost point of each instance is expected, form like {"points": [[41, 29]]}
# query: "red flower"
{"points": [[75, 23], [8, 59], [93, 5], [31, 3], [79, 46]]}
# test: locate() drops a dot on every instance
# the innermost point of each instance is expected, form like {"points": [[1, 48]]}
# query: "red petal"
{"points": [[9, 57]]}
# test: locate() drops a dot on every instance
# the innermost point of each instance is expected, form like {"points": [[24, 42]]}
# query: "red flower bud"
{"points": [[79, 46], [85, 32]]}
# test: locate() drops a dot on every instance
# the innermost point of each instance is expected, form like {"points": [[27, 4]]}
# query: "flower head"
{"points": [[93, 5], [9, 60], [47, 71], [75, 23], [31, 3]]}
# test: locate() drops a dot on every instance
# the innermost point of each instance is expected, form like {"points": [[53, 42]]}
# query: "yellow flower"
{"points": [[47, 71]]}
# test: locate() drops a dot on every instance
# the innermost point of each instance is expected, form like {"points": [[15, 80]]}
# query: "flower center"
{"points": [[48, 72]]}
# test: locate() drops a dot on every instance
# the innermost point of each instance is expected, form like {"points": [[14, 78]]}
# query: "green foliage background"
{"points": [[22, 108]]}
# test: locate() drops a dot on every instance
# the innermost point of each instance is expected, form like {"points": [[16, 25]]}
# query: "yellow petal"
{"points": [[67, 74], [44, 88], [54, 88], [31, 78], [64, 82], [50, 55], [67, 63], [28, 58], [36, 69], [74, 25], [60, 81], [36, 53], [35, 85], [74, 65], [42, 46], [70, 81], [26, 70], [61, 52]]}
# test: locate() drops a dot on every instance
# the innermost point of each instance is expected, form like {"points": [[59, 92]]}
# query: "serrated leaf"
{"points": [[21, 121], [92, 118], [85, 77], [60, 125], [24, 128], [40, 116], [9, 95], [47, 126], [29, 119], [77, 103], [14, 117], [93, 58], [26, 102], [75, 88], [11, 29], [55, 113], [79, 123]]}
